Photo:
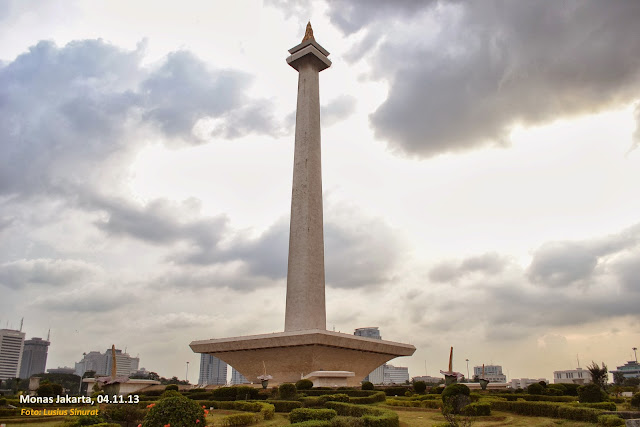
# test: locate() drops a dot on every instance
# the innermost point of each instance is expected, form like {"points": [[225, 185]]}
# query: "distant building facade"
{"points": [[572, 376], [389, 374], [631, 369], [492, 373], [212, 370], [11, 347], [34, 357], [237, 377], [101, 363], [371, 332]]}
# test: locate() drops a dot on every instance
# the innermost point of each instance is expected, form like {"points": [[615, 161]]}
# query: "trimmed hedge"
{"points": [[313, 423], [372, 416], [607, 406], [285, 405], [267, 410], [378, 396], [304, 384], [305, 414], [432, 404], [349, 392], [610, 420], [477, 409], [242, 419], [234, 393], [395, 391], [547, 409]]}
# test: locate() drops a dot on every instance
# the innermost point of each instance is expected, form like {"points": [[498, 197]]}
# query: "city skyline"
{"points": [[479, 170]]}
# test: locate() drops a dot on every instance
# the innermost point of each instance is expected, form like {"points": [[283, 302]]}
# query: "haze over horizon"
{"points": [[480, 170]]}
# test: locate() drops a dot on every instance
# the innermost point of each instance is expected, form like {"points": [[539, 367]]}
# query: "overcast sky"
{"points": [[480, 172]]}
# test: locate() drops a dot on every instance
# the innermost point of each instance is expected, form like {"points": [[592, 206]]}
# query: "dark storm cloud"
{"points": [[64, 111], [96, 298], [561, 264], [448, 271], [567, 283], [49, 272], [492, 65]]}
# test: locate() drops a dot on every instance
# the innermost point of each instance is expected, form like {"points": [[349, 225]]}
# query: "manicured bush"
{"points": [[378, 396], [312, 402], [340, 421], [234, 393], [606, 406], [178, 411], [610, 420], [287, 391], [242, 419], [3, 401], [535, 388], [313, 423], [436, 390], [420, 387], [588, 415], [591, 393], [572, 389], [455, 397], [128, 415], [172, 387], [635, 400], [367, 385], [340, 397], [285, 405], [85, 420], [395, 391], [304, 384], [477, 409], [172, 393], [548, 409], [553, 389], [305, 414], [544, 398], [371, 415]]}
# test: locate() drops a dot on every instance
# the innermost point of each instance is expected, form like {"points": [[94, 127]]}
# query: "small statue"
{"points": [[308, 34]]}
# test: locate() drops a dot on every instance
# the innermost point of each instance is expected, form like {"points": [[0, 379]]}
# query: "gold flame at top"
{"points": [[308, 34]]}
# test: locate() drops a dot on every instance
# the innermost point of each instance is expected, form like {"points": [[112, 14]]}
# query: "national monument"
{"points": [[305, 348]]}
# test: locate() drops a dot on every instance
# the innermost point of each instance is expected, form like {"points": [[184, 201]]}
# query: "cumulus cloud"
{"points": [[487, 67], [337, 109], [50, 272], [448, 271], [65, 110], [91, 298]]}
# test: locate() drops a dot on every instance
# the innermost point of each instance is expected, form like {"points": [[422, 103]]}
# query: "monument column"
{"points": [[305, 307]]}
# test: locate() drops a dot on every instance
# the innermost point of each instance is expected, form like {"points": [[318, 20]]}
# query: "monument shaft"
{"points": [[305, 277]]}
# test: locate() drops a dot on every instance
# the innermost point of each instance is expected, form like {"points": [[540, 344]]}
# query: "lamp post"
{"points": [[467, 369], [187, 374], [635, 354]]}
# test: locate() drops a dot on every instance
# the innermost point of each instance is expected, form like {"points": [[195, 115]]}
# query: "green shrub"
{"points": [[378, 396], [371, 415], [242, 419], [235, 393], [172, 393], [395, 391], [173, 387], [129, 415], [572, 389], [349, 392], [85, 420], [313, 423], [477, 409], [591, 393], [554, 389], [287, 391], [340, 421], [420, 387], [535, 388], [305, 414], [436, 390], [285, 405], [312, 402], [455, 397], [3, 401], [610, 420], [367, 385], [607, 406], [635, 400], [304, 384], [588, 415], [178, 411]]}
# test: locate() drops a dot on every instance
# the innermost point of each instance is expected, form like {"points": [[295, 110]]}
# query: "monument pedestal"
{"points": [[288, 356]]}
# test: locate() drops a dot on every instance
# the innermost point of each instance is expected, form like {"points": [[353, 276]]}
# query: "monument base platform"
{"points": [[288, 356]]}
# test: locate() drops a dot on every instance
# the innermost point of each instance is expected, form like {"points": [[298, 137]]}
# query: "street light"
{"points": [[187, 374], [635, 354], [467, 369]]}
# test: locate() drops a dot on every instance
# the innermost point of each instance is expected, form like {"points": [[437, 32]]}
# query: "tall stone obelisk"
{"points": [[305, 277]]}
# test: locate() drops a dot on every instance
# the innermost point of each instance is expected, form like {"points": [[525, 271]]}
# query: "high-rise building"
{"points": [[101, 363], [492, 373], [389, 374], [212, 370], [11, 346], [371, 332], [237, 377], [34, 357], [631, 369]]}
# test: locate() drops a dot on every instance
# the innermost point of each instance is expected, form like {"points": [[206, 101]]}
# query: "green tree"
{"points": [[599, 375], [618, 378], [367, 385], [535, 388], [420, 387], [177, 411], [591, 393]]}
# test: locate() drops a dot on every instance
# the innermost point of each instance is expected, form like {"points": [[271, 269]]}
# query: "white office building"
{"points": [[11, 348], [572, 376], [492, 373], [389, 374], [101, 363], [523, 383]]}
